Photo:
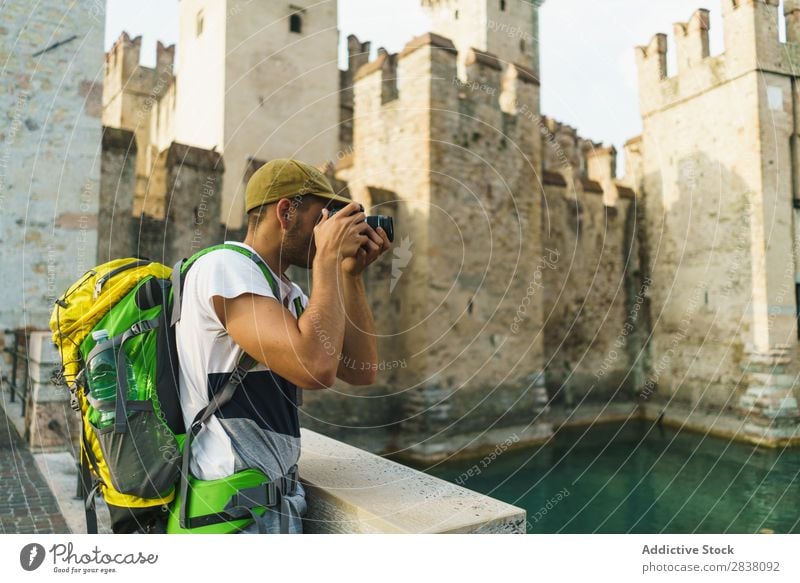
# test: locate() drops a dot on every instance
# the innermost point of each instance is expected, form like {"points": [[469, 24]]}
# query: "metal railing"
{"points": [[19, 360]]}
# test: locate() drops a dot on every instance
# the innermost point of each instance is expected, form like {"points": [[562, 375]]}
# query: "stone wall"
{"points": [[461, 355], [485, 347], [357, 56], [184, 181], [117, 187], [50, 137], [192, 180], [716, 179], [589, 275], [591, 322]]}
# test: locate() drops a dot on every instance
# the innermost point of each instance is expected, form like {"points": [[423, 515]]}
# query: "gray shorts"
{"points": [[294, 505]]}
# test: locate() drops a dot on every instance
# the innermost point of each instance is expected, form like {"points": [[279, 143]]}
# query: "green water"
{"points": [[637, 478]]}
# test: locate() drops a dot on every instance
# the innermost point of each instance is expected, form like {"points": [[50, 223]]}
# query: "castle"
{"points": [[530, 287]]}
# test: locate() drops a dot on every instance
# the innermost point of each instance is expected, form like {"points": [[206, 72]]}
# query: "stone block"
{"points": [[352, 491]]}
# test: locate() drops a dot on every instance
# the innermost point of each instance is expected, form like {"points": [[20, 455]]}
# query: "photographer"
{"points": [[230, 307]]}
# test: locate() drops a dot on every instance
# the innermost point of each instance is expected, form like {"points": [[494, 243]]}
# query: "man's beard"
{"points": [[297, 249]]}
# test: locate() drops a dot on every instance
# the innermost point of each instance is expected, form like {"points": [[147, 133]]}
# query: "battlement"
{"points": [[487, 78], [691, 39], [580, 165], [565, 148], [751, 40], [124, 55], [165, 57], [124, 71], [357, 57], [357, 53]]}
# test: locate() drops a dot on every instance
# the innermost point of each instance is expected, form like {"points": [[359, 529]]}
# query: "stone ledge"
{"points": [[353, 491], [725, 424], [466, 446]]}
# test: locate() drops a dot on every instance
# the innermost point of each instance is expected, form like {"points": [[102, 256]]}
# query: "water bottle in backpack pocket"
{"points": [[102, 380], [142, 454]]}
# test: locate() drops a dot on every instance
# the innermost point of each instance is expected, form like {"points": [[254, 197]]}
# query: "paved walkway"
{"points": [[26, 503]]}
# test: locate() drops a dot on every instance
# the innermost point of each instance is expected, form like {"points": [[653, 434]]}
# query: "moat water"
{"points": [[638, 478]]}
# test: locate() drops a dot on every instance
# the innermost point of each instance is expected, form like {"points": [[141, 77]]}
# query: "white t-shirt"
{"points": [[259, 427]]}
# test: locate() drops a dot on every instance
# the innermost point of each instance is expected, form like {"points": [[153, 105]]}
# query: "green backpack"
{"points": [[135, 450]]}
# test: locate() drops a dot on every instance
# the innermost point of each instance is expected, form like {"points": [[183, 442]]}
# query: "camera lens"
{"points": [[374, 221], [384, 222]]}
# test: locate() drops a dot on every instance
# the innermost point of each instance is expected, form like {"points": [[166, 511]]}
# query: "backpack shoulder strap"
{"points": [[246, 363], [182, 267]]}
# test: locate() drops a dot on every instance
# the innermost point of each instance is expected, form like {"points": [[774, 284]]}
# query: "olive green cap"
{"points": [[283, 178]]}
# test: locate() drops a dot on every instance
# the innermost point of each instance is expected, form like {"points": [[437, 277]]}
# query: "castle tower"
{"points": [[131, 96], [257, 80], [718, 173], [508, 29], [458, 168]]}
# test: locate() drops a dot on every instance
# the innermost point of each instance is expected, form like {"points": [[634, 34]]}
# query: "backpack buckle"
{"points": [[266, 495], [272, 494], [237, 376], [74, 404], [141, 326]]}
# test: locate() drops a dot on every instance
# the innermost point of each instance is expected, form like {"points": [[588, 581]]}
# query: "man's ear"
{"points": [[285, 213]]}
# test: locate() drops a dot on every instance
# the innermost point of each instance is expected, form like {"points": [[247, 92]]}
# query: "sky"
{"points": [[588, 66]]}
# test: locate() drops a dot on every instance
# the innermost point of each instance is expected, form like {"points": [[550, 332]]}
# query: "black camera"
{"points": [[384, 222]]}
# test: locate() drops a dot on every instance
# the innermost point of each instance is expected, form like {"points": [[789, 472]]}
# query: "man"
{"points": [[230, 307]]}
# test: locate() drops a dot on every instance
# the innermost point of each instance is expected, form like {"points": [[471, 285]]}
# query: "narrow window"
{"points": [[199, 24], [295, 23], [503, 5], [522, 45], [456, 14]]}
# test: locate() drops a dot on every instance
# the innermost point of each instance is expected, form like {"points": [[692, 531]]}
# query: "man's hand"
{"points": [[343, 234], [377, 244]]}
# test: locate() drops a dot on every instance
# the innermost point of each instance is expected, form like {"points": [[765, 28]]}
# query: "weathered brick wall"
{"points": [[50, 136]]}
